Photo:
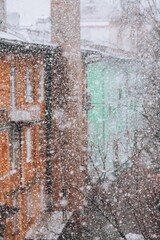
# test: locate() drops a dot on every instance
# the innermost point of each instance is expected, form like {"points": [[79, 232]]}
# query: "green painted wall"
{"points": [[116, 112]]}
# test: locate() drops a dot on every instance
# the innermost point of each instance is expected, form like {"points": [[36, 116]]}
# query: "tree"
{"points": [[131, 202]]}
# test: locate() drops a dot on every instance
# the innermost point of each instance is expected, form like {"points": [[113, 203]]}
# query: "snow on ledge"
{"points": [[133, 236], [49, 227], [20, 39]]}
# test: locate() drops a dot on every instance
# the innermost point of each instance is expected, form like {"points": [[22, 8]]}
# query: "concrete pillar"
{"points": [[71, 124], [3, 17], [65, 17]]}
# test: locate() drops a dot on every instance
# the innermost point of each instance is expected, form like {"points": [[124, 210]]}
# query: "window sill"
{"points": [[12, 172]]}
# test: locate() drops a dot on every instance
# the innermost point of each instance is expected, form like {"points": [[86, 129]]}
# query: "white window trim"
{"points": [[12, 172], [41, 84], [28, 146], [28, 86], [13, 154], [13, 86], [42, 197], [15, 217]]}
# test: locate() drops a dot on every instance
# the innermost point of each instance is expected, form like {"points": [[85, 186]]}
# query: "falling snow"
{"points": [[80, 119]]}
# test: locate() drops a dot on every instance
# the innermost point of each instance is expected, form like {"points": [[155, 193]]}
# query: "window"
{"points": [[28, 85], [15, 216], [13, 87], [29, 205], [28, 145], [41, 84], [42, 197], [41, 143], [14, 148]]}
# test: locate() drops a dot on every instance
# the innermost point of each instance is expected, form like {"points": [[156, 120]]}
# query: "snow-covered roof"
{"points": [[105, 50], [9, 36], [13, 40], [12, 43], [91, 55]]}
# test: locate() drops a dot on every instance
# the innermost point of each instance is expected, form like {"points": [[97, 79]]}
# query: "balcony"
{"points": [[29, 115]]}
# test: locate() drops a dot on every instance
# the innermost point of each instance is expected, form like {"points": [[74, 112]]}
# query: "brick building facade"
{"points": [[42, 127], [23, 138], [33, 153]]}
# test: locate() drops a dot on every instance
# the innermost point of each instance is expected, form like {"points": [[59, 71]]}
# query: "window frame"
{"points": [[29, 95], [41, 84], [15, 217], [15, 145], [13, 86], [28, 145], [42, 196]]}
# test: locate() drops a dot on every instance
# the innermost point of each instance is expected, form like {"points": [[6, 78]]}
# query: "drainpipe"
{"points": [[48, 120]]}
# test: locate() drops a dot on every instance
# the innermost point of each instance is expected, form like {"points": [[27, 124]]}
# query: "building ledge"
{"points": [[32, 114], [14, 171]]}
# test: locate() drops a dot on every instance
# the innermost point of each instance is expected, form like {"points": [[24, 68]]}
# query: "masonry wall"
{"points": [[43, 140], [68, 117], [22, 159]]}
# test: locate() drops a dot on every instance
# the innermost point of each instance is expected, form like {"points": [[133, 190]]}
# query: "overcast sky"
{"points": [[29, 10]]}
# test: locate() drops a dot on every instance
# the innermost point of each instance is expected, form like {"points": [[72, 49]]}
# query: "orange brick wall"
{"points": [[4, 153], [27, 175], [30, 175], [5, 84]]}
